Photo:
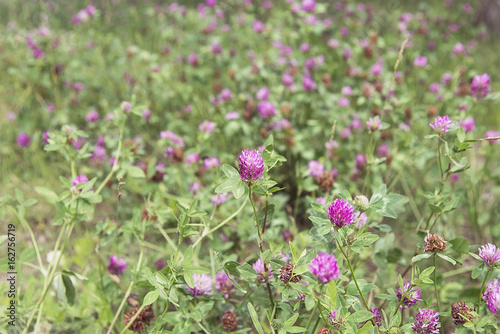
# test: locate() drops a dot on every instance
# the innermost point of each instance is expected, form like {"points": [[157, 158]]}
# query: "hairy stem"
{"points": [[481, 291]]}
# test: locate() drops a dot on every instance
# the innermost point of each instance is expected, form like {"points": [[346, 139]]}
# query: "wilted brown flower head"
{"points": [[323, 330], [434, 243], [461, 313], [325, 181], [286, 274], [142, 321], [229, 322]]}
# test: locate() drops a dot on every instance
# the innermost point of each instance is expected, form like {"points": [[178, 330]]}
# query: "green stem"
{"points": [[256, 219], [261, 245], [127, 294], [353, 275], [435, 286], [481, 291], [439, 159], [311, 316], [228, 219], [316, 325], [114, 168]]}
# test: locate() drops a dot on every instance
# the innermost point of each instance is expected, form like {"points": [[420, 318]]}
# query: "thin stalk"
{"points": [[439, 159], [221, 224], [481, 291], [435, 285], [127, 294], [114, 168], [261, 245], [33, 240], [353, 275], [131, 321], [311, 316]]}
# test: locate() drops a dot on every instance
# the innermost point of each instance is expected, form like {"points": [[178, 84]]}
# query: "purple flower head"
{"points": [[360, 161], [45, 137], [446, 78], [383, 150], [78, 144], [491, 134], [377, 317], [126, 106], [308, 5], [480, 86], [333, 43], [373, 124], [226, 95], [223, 284], [459, 48], [343, 102], [195, 187], [263, 93], [346, 90], [232, 115], [441, 124], [315, 168], [426, 322], [207, 126], [78, 87], [92, 116], [82, 178], [420, 61], [266, 109], [491, 296], [116, 265], [146, 114], [324, 267], [193, 59], [216, 48], [251, 165], [468, 124], [218, 199], [175, 139], [304, 47], [258, 266], [490, 254], [23, 140], [192, 158], [211, 3], [258, 26], [434, 87], [376, 69], [287, 80], [322, 200], [308, 83], [341, 213], [413, 295], [202, 285], [361, 220], [98, 156], [210, 163]]}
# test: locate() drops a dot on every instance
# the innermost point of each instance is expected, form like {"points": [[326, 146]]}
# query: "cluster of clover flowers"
{"points": [[325, 268]]}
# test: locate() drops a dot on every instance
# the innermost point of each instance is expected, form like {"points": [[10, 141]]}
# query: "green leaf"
{"points": [[239, 189], [188, 256], [255, 318], [447, 258], [296, 329], [360, 316], [477, 270], [70, 289], [427, 272], [291, 321], [331, 291], [30, 202], [47, 194], [227, 186], [378, 194], [420, 257], [197, 270], [151, 297], [188, 277], [294, 252], [150, 277], [460, 245], [135, 172], [230, 172]]}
